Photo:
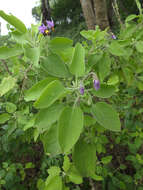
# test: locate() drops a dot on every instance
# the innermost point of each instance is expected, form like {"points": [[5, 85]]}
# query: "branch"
{"points": [[24, 80], [116, 10], [6, 67], [92, 184]]}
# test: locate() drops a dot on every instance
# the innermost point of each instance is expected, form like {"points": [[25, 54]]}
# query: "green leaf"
{"points": [[60, 43], [139, 46], [54, 66], [114, 79], [6, 52], [4, 117], [106, 160], [7, 84], [84, 157], [12, 20], [89, 35], [70, 127], [74, 175], [54, 181], [66, 55], [50, 141], [104, 67], [88, 120], [29, 165], [128, 75], [46, 117], [29, 124], [35, 91], [107, 116], [94, 34], [40, 184], [77, 66], [97, 177], [116, 49], [140, 85], [139, 6], [10, 107], [105, 91], [51, 93], [131, 17], [94, 59], [33, 54], [19, 37]]}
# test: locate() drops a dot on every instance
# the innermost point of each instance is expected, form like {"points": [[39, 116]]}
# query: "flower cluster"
{"points": [[48, 28]]}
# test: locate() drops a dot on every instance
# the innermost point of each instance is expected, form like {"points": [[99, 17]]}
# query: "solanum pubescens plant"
{"points": [[60, 94], [66, 101]]}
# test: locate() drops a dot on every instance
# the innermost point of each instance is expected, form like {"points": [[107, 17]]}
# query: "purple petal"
{"points": [[50, 24], [42, 28], [96, 84]]}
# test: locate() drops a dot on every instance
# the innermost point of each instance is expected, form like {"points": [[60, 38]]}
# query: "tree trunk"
{"points": [[111, 14], [88, 12], [101, 14], [46, 11]]}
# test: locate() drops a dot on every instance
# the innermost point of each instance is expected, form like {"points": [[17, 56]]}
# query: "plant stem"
{"points": [[6, 67]]}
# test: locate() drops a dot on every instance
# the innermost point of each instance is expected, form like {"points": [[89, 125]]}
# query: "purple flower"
{"points": [[96, 84], [113, 37], [42, 28], [81, 90], [50, 24]]}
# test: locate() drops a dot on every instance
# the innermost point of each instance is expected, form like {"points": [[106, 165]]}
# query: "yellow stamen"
{"points": [[47, 31]]}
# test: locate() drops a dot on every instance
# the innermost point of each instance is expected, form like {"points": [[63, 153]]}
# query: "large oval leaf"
{"points": [[4, 117], [77, 66], [54, 66], [116, 49], [35, 91], [70, 127], [104, 66], [6, 52], [7, 84], [50, 94], [60, 43], [139, 46], [50, 141], [33, 54], [46, 117], [84, 157], [107, 116], [105, 91], [18, 24]]}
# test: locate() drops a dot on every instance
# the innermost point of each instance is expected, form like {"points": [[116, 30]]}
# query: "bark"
{"points": [[101, 13], [46, 11], [88, 12]]}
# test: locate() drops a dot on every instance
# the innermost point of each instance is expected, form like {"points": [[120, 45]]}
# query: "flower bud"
{"points": [[96, 84], [113, 37], [81, 90]]}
